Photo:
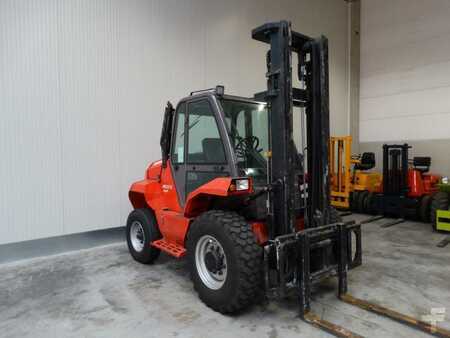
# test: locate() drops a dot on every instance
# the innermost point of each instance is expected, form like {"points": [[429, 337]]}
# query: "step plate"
{"points": [[172, 249]]}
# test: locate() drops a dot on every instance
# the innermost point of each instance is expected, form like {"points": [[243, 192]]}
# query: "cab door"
{"points": [[178, 151], [206, 155]]}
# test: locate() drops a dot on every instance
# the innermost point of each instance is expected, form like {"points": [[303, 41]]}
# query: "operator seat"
{"points": [[367, 161], [422, 163], [213, 150]]}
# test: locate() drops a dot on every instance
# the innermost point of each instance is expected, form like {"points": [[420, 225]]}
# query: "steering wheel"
{"points": [[245, 145]]}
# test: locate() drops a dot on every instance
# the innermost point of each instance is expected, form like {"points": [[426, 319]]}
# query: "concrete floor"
{"points": [[102, 292]]}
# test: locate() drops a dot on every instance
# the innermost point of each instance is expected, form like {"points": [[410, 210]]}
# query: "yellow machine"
{"points": [[352, 186]]}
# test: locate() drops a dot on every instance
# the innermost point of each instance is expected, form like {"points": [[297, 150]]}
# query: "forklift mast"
{"points": [[395, 169], [324, 246], [281, 97]]}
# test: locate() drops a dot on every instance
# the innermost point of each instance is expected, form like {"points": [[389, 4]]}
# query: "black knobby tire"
{"points": [[351, 202], [369, 205], [354, 201], [243, 280], [146, 218], [439, 201], [362, 201], [425, 209]]}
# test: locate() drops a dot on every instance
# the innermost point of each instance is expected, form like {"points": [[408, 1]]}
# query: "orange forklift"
{"points": [[352, 184]]}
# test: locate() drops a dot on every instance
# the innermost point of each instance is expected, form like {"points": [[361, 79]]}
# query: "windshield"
{"points": [[249, 134]]}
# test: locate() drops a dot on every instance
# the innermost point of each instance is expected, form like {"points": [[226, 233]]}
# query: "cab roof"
{"points": [[219, 93]]}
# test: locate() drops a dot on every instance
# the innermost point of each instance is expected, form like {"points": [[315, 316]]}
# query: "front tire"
{"points": [[225, 261], [370, 203], [142, 229], [362, 201], [354, 201]]}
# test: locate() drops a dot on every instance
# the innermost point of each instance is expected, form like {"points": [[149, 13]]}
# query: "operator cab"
{"points": [[216, 135]]}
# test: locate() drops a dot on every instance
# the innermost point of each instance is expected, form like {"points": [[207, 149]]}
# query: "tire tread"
{"points": [[149, 254], [249, 257]]}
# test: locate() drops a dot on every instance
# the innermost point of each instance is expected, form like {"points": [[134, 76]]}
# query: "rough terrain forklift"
{"points": [[234, 195], [407, 187], [351, 181]]}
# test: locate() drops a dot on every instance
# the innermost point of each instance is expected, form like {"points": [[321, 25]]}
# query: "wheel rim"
{"points": [[137, 236], [211, 262]]}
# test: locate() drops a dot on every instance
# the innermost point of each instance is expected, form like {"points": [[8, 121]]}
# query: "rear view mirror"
{"points": [[166, 133]]}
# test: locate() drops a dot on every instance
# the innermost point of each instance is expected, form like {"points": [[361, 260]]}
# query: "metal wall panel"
{"points": [[405, 73], [84, 83], [31, 195]]}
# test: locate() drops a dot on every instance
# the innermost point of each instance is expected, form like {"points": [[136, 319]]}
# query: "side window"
{"points": [[240, 124], [205, 144], [178, 142], [260, 123]]}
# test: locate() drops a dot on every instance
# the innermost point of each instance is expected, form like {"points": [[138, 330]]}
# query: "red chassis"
{"points": [[158, 192]]}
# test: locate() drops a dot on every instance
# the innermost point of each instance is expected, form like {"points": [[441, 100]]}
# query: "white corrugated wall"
{"points": [[83, 84], [405, 70]]}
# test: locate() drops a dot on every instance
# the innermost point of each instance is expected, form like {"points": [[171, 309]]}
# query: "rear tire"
{"points": [[439, 201], [227, 275], [142, 229]]}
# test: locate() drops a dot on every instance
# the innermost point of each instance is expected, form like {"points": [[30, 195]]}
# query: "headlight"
{"points": [[444, 180], [242, 184]]}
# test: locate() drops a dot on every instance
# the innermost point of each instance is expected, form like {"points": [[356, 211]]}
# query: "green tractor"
{"points": [[440, 209]]}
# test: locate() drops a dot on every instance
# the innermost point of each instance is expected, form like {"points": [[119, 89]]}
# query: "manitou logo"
{"points": [[166, 187]]}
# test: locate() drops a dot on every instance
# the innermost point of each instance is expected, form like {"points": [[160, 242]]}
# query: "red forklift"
{"points": [[407, 186], [233, 194]]}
